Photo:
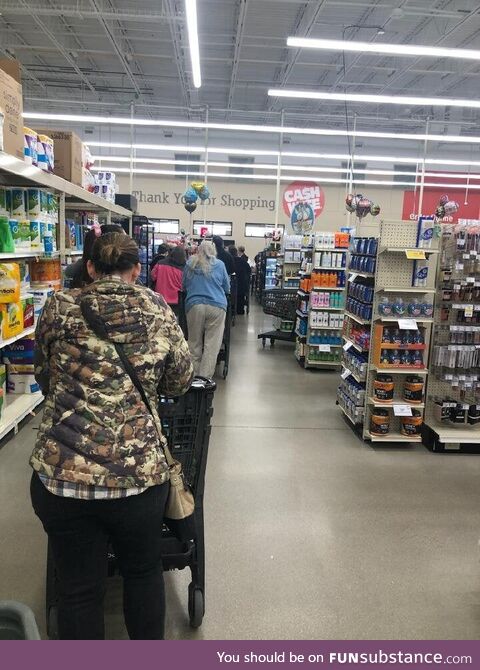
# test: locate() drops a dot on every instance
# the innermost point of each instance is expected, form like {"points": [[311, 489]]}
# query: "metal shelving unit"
{"points": [[393, 274]]}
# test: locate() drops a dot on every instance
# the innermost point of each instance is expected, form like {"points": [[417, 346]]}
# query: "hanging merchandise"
{"points": [[361, 206]]}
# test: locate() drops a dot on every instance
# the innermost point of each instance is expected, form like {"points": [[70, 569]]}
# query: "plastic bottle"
{"points": [[48, 243]]}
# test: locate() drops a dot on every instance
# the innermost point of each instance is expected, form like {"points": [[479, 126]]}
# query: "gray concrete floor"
{"points": [[311, 534]]}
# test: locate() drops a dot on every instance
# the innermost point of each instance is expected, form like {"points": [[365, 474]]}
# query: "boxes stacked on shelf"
{"points": [[388, 321], [453, 404], [105, 185], [289, 262], [28, 220], [321, 299], [18, 359]]}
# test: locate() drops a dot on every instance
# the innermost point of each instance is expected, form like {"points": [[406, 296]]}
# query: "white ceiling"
{"points": [[101, 56]]}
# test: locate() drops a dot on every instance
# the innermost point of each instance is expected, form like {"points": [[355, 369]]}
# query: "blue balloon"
{"points": [[190, 196], [204, 193]]}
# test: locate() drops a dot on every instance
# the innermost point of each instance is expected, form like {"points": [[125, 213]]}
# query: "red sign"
{"points": [[431, 197], [308, 192]]}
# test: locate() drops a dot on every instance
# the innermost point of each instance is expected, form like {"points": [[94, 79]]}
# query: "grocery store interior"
{"points": [[336, 141]]}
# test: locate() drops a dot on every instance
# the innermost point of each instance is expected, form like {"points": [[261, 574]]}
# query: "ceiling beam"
{"points": [[240, 28], [60, 47], [74, 10], [177, 31]]}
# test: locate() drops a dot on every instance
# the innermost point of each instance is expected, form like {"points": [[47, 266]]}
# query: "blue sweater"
{"points": [[209, 289]]}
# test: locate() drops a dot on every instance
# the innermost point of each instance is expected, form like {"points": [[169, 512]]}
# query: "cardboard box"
{"points": [[11, 104], [68, 154]]}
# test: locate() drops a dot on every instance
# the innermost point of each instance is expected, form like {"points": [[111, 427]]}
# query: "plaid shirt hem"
{"points": [[86, 492]]}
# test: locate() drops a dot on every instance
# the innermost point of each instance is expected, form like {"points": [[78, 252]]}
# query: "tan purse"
{"points": [[180, 507]]}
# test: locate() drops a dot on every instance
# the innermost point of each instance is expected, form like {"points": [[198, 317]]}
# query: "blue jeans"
{"points": [[79, 532]]}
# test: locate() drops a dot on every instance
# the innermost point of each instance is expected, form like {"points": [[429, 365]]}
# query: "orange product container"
{"points": [[46, 270]]}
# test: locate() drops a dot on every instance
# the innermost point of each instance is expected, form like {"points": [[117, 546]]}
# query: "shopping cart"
{"points": [[186, 426], [224, 353], [281, 303]]}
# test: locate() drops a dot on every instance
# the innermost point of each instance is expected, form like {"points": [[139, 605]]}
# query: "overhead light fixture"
{"points": [[383, 48], [244, 127], [192, 29], [375, 99]]}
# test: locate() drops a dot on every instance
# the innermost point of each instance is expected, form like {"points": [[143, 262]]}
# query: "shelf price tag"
{"points": [[353, 276], [415, 254], [347, 346], [407, 324], [468, 311], [324, 347], [346, 373], [402, 410]]}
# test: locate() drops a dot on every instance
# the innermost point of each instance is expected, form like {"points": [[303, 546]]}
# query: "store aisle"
{"points": [[310, 533]]}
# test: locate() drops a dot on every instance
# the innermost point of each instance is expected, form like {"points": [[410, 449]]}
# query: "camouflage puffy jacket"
{"points": [[96, 429]]}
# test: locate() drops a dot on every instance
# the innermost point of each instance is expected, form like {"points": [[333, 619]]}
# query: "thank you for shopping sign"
{"points": [[303, 193]]}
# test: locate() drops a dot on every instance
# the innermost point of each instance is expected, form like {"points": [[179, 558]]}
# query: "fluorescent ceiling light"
{"points": [[192, 28], [375, 99], [292, 177], [383, 48], [244, 127]]}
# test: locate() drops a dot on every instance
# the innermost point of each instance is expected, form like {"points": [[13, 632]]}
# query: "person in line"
{"points": [[241, 253], [163, 251], [242, 273], [206, 283], [167, 276], [100, 472], [223, 255], [76, 275]]}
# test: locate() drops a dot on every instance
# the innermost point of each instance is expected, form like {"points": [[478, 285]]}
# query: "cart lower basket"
{"points": [[282, 304], [186, 425]]}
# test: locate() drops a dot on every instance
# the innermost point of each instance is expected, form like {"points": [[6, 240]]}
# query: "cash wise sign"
{"points": [[307, 192]]}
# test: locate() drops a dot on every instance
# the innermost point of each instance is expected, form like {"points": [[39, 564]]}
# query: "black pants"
{"points": [[79, 531]]}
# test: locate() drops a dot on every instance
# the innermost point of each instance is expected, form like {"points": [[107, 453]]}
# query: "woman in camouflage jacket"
{"points": [[99, 469]]}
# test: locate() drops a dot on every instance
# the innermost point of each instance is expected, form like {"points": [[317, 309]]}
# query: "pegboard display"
{"points": [[401, 287], [453, 400]]}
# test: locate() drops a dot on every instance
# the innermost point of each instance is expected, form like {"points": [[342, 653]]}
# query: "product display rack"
{"points": [[452, 421], [17, 173], [381, 340], [320, 306]]}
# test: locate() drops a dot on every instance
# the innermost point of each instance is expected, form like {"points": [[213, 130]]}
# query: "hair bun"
{"points": [[109, 255], [114, 252]]}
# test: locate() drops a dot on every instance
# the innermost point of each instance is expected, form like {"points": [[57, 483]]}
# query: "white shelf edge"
{"points": [[324, 327], [15, 166], [355, 345], [410, 289], [454, 433], [396, 401], [354, 423], [337, 250], [11, 340], [359, 320], [398, 250], [392, 319], [393, 437], [333, 346], [326, 309], [314, 364], [328, 288], [18, 407], [321, 267], [366, 275], [400, 371], [357, 379]]}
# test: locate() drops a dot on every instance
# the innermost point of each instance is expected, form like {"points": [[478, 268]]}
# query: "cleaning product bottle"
{"points": [[7, 244]]}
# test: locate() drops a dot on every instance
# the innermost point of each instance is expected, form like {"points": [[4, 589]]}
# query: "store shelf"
{"points": [[302, 292], [322, 267], [393, 437], [324, 327], [18, 407], [328, 288], [332, 346], [399, 250], [348, 415], [28, 254], [454, 433], [410, 289], [395, 401], [314, 364], [359, 320], [391, 319], [11, 340], [355, 345], [303, 315], [400, 371], [73, 252], [77, 197], [302, 337], [336, 250], [354, 374], [326, 309], [366, 275]]}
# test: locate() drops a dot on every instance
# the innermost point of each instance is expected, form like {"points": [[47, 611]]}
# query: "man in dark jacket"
{"points": [[224, 255]]}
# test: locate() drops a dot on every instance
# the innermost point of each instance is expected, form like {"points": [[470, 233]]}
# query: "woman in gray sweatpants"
{"points": [[207, 285]]}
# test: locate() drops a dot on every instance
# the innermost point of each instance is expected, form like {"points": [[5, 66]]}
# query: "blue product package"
{"points": [[425, 232], [420, 273]]}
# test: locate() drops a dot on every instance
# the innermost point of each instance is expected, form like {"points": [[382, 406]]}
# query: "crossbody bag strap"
{"points": [[99, 329]]}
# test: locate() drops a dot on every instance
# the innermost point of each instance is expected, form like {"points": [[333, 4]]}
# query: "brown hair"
{"points": [[114, 252], [233, 251]]}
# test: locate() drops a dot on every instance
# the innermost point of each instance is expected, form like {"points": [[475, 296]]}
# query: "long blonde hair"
{"points": [[204, 258]]}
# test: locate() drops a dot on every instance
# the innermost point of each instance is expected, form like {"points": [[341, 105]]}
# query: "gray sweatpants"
{"points": [[205, 332]]}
